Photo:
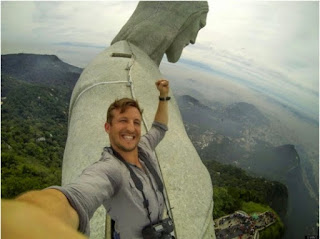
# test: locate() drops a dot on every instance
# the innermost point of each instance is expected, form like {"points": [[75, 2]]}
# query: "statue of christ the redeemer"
{"points": [[129, 68]]}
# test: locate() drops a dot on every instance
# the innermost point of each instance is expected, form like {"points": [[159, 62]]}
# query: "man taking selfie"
{"points": [[126, 181]]}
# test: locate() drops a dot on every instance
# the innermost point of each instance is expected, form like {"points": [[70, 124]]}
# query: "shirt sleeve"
{"points": [[97, 183], [154, 136]]}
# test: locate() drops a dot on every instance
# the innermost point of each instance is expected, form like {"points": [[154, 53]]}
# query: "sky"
{"points": [[270, 47]]}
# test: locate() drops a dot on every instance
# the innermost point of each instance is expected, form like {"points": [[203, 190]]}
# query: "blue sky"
{"points": [[271, 47]]}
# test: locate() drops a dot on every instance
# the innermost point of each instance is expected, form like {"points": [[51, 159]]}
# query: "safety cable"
{"points": [[166, 199]]}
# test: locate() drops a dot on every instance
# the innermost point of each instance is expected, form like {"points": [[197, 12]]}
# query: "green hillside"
{"points": [[234, 189], [232, 186], [33, 134]]}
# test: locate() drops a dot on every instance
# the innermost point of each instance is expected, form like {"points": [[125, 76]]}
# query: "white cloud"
{"points": [[16, 21], [89, 22]]}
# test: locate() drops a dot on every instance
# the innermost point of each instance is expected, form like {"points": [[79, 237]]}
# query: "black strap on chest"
{"points": [[136, 179], [143, 156]]}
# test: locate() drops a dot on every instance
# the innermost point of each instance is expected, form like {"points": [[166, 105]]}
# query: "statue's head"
{"points": [[164, 27]]}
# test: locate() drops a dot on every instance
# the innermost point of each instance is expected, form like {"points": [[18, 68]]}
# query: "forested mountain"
{"points": [[34, 116], [47, 70]]}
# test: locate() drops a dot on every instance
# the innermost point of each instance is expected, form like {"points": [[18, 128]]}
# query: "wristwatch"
{"points": [[164, 98]]}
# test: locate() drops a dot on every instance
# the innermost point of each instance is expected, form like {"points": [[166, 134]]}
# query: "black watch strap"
{"points": [[164, 98]]}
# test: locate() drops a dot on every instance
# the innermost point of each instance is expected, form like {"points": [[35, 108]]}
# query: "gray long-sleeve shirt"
{"points": [[108, 182]]}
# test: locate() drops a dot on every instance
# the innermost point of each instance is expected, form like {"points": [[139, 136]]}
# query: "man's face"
{"points": [[125, 129], [188, 35]]}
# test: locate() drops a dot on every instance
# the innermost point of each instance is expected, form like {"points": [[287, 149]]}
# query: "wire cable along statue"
{"points": [[129, 68]]}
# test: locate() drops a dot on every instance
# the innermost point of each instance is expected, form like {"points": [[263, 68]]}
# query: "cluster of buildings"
{"points": [[243, 226]]}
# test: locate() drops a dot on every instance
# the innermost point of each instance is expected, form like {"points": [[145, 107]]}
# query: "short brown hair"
{"points": [[122, 104]]}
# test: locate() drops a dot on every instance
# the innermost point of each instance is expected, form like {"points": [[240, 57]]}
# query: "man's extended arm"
{"points": [[162, 111], [62, 210], [39, 214]]}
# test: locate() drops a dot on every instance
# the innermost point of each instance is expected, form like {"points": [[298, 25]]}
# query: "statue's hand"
{"points": [[163, 87]]}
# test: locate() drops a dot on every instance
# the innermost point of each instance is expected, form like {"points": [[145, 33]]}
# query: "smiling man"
{"points": [[124, 125], [126, 208], [53, 212], [109, 181], [124, 118]]}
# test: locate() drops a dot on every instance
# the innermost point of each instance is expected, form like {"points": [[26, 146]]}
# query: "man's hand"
{"points": [[24, 220], [162, 111], [39, 214], [163, 87]]}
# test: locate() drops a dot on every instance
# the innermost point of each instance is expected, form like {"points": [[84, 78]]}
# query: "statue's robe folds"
{"points": [[186, 179]]}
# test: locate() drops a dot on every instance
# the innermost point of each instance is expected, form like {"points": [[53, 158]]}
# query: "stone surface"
{"points": [[186, 179]]}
